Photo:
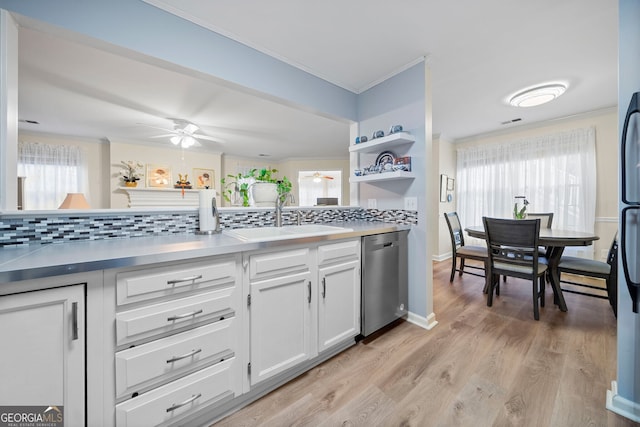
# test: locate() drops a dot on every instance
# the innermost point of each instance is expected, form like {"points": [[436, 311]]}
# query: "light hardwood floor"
{"points": [[480, 366]]}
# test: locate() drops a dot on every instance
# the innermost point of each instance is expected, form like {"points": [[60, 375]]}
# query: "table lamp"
{"points": [[75, 201]]}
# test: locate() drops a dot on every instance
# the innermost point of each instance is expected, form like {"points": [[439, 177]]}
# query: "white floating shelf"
{"points": [[384, 176], [386, 142]]}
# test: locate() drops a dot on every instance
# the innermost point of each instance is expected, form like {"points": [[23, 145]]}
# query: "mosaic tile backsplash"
{"points": [[59, 229]]}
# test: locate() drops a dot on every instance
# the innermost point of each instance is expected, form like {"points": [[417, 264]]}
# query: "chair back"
{"points": [[546, 219], [513, 246], [455, 229]]}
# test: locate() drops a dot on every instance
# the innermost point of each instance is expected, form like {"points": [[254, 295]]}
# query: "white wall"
{"points": [[446, 165], [606, 125]]}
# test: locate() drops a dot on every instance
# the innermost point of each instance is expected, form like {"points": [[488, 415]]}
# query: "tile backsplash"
{"points": [[34, 229]]}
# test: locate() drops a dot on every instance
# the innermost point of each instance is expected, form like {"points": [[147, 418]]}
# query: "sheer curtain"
{"points": [[557, 173], [51, 172]]}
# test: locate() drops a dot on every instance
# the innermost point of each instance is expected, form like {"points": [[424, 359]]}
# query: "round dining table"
{"points": [[555, 241]]}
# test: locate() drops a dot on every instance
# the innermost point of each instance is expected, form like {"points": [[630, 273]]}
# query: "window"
{"points": [[51, 171], [314, 185], [557, 173]]}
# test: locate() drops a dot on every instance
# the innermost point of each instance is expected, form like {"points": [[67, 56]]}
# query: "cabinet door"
{"points": [[281, 313], [338, 303], [43, 360]]}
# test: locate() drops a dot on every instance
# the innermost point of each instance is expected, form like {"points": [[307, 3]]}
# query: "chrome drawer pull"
{"points": [[186, 402], [184, 356], [324, 287], [186, 279], [182, 316]]}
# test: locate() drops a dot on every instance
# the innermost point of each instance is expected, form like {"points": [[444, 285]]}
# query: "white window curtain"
{"points": [[556, 173], [51, 172]]}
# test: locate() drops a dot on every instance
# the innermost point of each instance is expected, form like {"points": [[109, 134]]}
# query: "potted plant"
{"points": [[131, 173], [520, 207], [259, 186]]}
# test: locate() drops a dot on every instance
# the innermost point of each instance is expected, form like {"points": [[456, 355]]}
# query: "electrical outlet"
{"points": [[372, 204], [410, 203]]}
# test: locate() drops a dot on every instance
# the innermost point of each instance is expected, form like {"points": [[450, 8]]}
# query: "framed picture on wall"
{"points": [[450, 184], [204, 178], [443, 187], [159, 176]]}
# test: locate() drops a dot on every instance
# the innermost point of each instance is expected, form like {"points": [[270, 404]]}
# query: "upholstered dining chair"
{"points": [[592, 268], [513, 251], [462, 251]]}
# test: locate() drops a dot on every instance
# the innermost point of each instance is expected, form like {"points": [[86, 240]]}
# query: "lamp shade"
{"points": [[75, 201]]}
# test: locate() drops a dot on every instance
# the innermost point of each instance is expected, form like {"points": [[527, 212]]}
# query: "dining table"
{"points": [[555, 240]]}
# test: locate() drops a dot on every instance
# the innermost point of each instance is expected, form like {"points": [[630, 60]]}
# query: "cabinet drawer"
{"points": [[278, 263], [144, 366], [134, 286], [145, 322], [179, 398], [342, 251]]}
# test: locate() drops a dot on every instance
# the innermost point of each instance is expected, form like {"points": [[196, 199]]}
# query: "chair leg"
{"points": [[453, 268], [543, 283], [490, 290], [461, 266], [536, 311]]}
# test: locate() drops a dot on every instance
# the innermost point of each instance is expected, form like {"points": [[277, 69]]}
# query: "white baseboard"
{"points": [[622, 406], [442, 257], [428, 322]]}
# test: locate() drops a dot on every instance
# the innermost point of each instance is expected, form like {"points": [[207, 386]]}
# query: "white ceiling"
{"points": [[479, 54]]}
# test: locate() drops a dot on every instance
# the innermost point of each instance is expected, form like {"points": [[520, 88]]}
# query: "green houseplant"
{"points": [[242, 183]]}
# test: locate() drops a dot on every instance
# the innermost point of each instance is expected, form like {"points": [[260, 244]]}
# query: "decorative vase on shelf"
{"points": [[130, 184]]}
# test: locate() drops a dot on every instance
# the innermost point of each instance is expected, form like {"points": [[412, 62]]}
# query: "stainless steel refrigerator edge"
{"points": [[624, 396], [385, 284]]}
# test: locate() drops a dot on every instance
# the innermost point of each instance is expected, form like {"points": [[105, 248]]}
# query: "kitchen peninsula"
{"points": [[169, 323]]}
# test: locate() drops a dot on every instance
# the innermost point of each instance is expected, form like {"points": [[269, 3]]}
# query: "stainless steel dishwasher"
{"points": [[384, 280]]}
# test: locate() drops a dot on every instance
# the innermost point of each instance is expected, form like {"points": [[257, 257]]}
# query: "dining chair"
{"points": [[597, 269], [513, 251], [546, 219], [462, 251]]}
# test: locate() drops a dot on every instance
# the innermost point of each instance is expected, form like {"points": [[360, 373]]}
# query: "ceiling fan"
{"points": [[318, 177], [183, 133]]}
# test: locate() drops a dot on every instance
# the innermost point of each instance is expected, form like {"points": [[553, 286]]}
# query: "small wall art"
{"points": [[443, 187], [203, 178], [159, 176]]}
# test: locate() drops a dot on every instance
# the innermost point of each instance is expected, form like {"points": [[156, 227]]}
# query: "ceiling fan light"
{"points": [[317, 179], [188, 141], [538, 95], [175, 140]]}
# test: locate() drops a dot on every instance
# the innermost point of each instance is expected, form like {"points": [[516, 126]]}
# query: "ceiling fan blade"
{"points": [[190, 128], [163, 136], [156, 127], [208, 138]]}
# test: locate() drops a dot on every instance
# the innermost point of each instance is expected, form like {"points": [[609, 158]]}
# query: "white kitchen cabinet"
{"points": [[302, 301], [339, 293], [282, 307], [43, 361], [177, 340]]}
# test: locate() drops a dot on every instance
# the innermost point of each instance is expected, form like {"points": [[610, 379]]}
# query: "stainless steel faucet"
{"points": [[280, 201], [299, 217]]}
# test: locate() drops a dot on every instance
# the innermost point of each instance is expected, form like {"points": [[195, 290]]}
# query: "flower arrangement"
{"points": [[520, 212], [132, 170], [242, 182]]}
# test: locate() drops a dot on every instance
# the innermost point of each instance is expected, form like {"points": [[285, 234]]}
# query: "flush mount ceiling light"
{"points": [[537, 95]]}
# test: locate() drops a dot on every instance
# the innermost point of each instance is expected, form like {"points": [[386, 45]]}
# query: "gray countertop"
{"points": [[40, 261]]}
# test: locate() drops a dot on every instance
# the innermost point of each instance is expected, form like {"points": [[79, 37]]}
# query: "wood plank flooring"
{"points": [[480, 366]]}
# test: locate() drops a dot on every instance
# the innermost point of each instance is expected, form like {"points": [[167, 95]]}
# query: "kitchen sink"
{"points": [[287, 232]]}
